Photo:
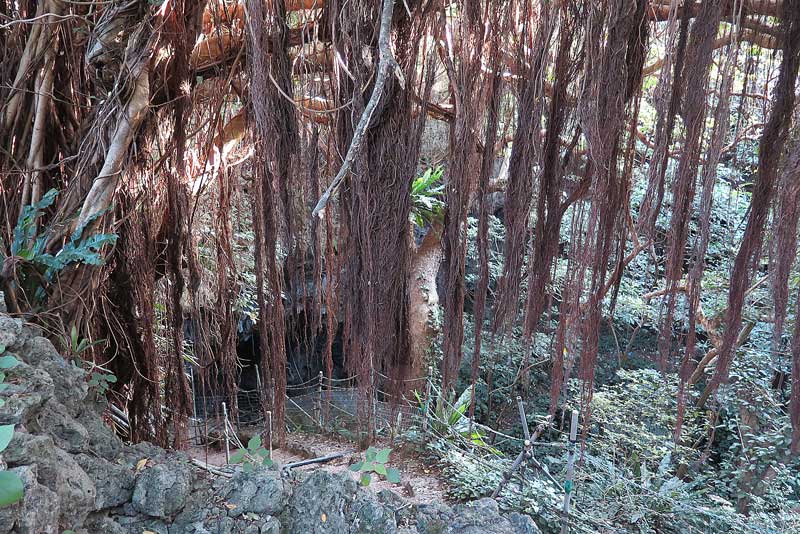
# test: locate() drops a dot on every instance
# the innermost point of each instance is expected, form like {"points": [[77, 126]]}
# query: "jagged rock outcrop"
{"points": [[79, 476]]}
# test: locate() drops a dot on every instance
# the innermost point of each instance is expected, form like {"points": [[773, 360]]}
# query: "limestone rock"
{"points": [[38, 511], [371, 517], [321, 504], [483, 517], [161, 491], [69, 380], [26, 391], [76, 492], [10, 330], [523, 524], [433, 518], [328, 502], [259, 492], [114, 483], [102, 440], [55, 421], [104, 524]]}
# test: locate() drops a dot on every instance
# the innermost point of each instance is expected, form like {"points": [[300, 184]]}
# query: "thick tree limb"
{"points": [[659, 10], [385, 63], [764, 40], [105, 184]]}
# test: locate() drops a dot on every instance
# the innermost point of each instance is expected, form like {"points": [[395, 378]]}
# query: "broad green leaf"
{"points": [[393, 475], [365, 479], [370, 454], [356, 466], [8, 362], [380, 469], [247, 467], [461, 406], [237, 457], [6, 433], [254, 443], [11, 489], [383, 456]]}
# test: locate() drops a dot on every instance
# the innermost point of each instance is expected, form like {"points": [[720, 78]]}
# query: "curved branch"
{"points": [[385, 63]]}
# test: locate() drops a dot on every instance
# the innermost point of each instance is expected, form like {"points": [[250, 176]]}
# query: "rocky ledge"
{"points": [[80, 477]]}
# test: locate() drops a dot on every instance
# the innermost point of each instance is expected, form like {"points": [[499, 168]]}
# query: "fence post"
{"points": [[427, 398], [195, 421], [225, 426], [568, 485], [319, 399], [269, 422]]}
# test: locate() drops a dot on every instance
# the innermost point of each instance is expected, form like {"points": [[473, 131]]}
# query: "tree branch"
{"points": [[385, 63]]}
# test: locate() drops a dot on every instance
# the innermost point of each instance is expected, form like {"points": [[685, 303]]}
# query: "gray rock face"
{"points": [[321, 504], [28, 388], [57, 471], [523, 524], [371, 517], [161, 491], [260, 492], [483, 517], [69, 382], [76, 492], [102, 441], [114, 483], [55, 421], [433, 518], [327, 502], [37, 513], [10, 330]]}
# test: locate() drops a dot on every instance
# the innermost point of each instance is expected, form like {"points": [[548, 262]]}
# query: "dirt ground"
{"points": [[419, 483]]}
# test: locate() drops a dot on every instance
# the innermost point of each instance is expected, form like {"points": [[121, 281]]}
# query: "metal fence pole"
{"points": [[568, 485], [194, 425], [269, 423], [427, 398], [319, 400], [227, 440]]}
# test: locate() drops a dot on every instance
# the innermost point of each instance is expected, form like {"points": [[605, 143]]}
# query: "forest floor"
{"points": [[420, 484]]}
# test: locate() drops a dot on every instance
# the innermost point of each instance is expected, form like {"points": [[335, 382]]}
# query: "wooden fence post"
{"points": [[569, 484]]}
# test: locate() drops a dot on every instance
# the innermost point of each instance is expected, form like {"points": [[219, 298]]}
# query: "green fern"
{"points": [[427, 189]]}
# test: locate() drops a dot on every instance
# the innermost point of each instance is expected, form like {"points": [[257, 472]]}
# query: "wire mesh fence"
{"points": [[326, 405], [319, 403]]}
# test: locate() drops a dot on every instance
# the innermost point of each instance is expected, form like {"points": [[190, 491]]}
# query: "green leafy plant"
{"points": [[452, 419], [375, 462], [100, 378], [253, 456], [78, 345], [37, 267], [427, 189], [101, 381], [11, 488]]}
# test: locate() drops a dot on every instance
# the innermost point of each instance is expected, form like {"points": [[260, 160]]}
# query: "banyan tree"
{"points": [[164, 161]]}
